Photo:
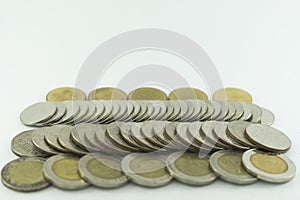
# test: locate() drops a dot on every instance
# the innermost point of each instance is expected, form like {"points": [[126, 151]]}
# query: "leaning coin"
{"points": [[65, 94], [102, 171], [187, 93], [62, 172], [267, 117], [232, 94], [61, 111], [147, 94], [270, 167], [72, 111], [236, 130], [51, 137], [24, 174], [256, 113], [268, 138], [228, 165], [22, 145], [189, 168], [38, 139], [107, 93], [146, 169]]}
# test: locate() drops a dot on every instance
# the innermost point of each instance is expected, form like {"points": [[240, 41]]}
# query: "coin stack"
{"points": [[146, 137]]}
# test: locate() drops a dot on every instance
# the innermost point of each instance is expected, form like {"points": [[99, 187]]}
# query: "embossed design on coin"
{"points": [[65, 94]]}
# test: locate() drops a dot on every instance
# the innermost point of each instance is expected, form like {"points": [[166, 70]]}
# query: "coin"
{"points": [[65, 94], [92, 110], [247, 112], [267, 117], [239, 111], [256, 113], [232, 94], [37, 113], [62, 172], [236, 130], [83, 111], [147, 94], [227, 164], [147, 130], [24, 174], [102, 171], [268, 138], [189, 168], [231, 110], [72, 111], [187, 93], [107, 93], [217, 108], [207, 132], [146, 170], [38, 139], [270, 167], [61, 111], [51, 137], [22, 145]]}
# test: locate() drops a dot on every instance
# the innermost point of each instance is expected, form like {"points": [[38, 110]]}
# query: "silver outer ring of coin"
{"points": [[229, 177], [267, 117], [22, 187], [182, 177], [58, 181], [273, 178], [97, 181], [148, 182]]}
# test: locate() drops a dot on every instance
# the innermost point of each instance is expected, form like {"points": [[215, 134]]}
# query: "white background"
{"points": [[254, 44]]}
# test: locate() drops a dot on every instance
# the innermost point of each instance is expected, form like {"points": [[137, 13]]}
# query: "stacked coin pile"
{"points": [[147, 139]]}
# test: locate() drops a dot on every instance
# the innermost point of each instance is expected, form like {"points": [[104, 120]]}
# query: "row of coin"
{"points": [[151, 170], [70, 112], [125, 137], [146, 93]]}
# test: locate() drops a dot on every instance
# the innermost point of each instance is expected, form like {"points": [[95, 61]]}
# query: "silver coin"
{"points": [[158, 128], [239, 111], [268, 138], [149, 112], [156, 109], [114, 112], [176, 111], [217, 110], [108, 109], [92, 109], [190, 110], [236, 130], [22, 146], [100, 109], [61, 111], [209, 112], [72, 111], [147, 130], [267, 117], [190, 168], [247, 112], [163, 110], [231, 110], [62, 172], [256, 113], [169, 112], [184, 110], [142, 112], [224, 110], [102, 171], [171, 134], [270, 167], [125, 110], [38, 139], [146, 170], [207, 131], [140, 139], [136, 110], [92, 141], [37, 113], [83, 111], [227, 164], [196, 108], [51, 137]]}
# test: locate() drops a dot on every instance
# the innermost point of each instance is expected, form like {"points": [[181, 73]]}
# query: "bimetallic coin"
{"points": [[107, 93], [24, 174], [187, 93], [267, 117], [232, 94], [62, 172], [102, 171], [147, 94], [268, 138], [270, 167], [65, 94], [38, 113], [22, 146], [227, 164], [146, 170], [190, 168], [38, 139], [236, 130]]}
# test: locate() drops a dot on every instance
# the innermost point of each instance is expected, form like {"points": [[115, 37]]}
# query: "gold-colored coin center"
{"points": [[107, 94], [29, 172], [67, 168], [147, 94], [232, 163], [187, 93], [148, 167], [65, 94], [232, 94], [192, 165], [269, 163], [106, 168]]}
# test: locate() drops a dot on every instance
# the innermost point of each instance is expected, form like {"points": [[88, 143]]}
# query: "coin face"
{"points": [[190, 168], [102, 171], [62, 172], [24, 174], [51, 137], [267, 117], [268, 138], [107, 93], [232, 94], [236, 130], [146, 170], [270, 167], [22, 146], [65, 94], [38, 139], [187, 93], [228, 165], [147, 94]]}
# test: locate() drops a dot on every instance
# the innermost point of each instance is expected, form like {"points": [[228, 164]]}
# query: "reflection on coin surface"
{"points": [[65, 94], [102, 171], [107, 93], [270, 167], [147, 94], [190, 168], [62, 171], [232, 94], [146, 170], [228, 165], [187, 93], [24, 174]]}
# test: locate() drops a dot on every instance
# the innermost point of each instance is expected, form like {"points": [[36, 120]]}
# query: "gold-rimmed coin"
{"points": [[107, 93], [187, 93], [147, 93], [65, 94], [232, 94]]}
